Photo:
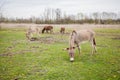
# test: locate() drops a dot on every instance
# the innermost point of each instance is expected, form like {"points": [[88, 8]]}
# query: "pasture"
{"points": [[44, 59]]}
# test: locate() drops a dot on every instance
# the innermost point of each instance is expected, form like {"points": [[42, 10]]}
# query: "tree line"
{"points": [[56, 16]]}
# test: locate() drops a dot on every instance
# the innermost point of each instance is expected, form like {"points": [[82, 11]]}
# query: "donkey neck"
{"points": [[72, 40]]}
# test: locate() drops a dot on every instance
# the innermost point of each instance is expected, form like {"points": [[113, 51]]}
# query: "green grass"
{"points": [[21, 59]]}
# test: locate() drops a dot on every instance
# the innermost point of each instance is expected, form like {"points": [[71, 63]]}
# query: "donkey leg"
{"points": [[79, 48], [46, 31], [51, 31], [93, 48], [94, 45]]}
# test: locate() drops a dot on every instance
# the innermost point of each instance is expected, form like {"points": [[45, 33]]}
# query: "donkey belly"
{"points": [[82, 39]]}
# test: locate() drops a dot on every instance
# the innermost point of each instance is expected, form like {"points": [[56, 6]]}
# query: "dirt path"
{"points": [[76, 26]]}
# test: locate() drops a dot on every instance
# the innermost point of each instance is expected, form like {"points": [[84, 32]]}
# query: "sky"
{"points": [[28, 8]]}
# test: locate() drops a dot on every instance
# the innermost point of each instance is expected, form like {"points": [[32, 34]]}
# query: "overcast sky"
{"points": [[27, 8]]}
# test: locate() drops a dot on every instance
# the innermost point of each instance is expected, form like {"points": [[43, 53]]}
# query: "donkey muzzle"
{"points": [[71, 59]]}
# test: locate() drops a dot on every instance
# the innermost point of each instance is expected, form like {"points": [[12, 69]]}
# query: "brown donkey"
{"points": [[47, 28], [62, 30], [77, 37]]}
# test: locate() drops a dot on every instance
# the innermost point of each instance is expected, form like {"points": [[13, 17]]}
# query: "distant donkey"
{"points": [[77, 37], [31, 31], [47, 28], [62, 30]]}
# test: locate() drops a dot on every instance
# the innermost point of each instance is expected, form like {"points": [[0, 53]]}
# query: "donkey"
{"points": [[62, 30], [32, 30], [77, 37], [47, 28]]}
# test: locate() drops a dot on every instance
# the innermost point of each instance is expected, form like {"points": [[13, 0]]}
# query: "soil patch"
{"points": [[116, 38], [47, 40]]}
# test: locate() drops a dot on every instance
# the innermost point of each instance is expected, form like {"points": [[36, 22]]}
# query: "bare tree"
{"points": [[1, 11], [58, 14], [53, 14], [48, 15], [1, 6], [97, 17], [80, 16]]}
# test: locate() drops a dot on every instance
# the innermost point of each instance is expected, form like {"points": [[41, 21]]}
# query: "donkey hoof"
{"points": [[71, 59]]}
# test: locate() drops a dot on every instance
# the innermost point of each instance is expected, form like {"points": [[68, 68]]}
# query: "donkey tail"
{"points": [[94, 42]]}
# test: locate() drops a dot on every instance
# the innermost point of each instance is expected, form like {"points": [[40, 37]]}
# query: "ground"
{"points": [[44, 59]]}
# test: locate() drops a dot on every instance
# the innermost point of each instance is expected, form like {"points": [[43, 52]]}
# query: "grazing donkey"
{"points": [[77, 37], [31, 31], [47, 28], [62, 30]]}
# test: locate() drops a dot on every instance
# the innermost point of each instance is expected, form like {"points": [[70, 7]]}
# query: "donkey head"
{"points": [[28, 35], [71, 52]]}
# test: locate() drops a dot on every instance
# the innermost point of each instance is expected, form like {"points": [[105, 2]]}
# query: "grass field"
{"points": [[21, 59]]}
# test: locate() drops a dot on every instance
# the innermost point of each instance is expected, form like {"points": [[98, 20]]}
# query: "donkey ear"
{"points": [[73, 47], [66, 49]]}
